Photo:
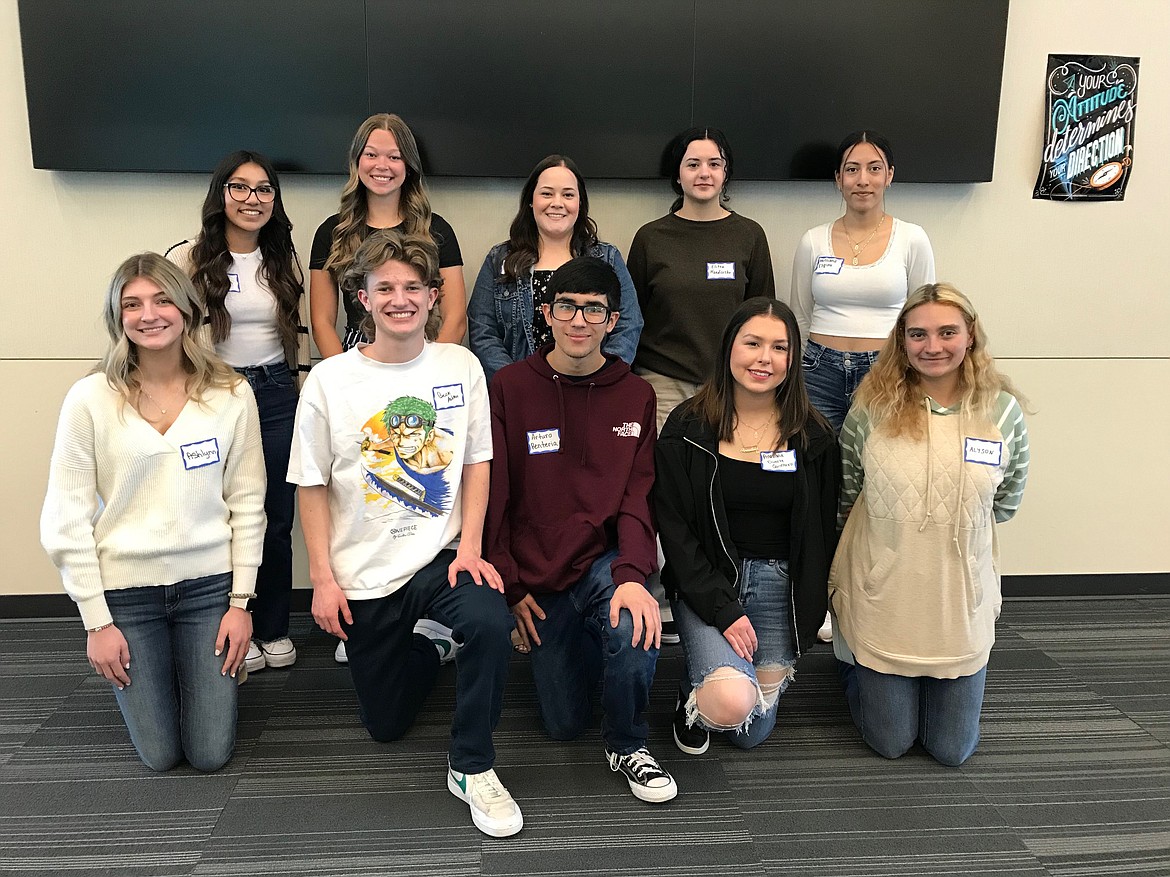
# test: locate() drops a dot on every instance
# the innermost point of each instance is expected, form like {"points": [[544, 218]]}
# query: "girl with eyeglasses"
{"points": [[154, 516], [246, 271], [745, 494], [386, 189], [552, 226]]}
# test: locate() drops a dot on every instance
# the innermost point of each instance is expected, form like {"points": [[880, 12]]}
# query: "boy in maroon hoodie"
{"points": [[569, 527]]}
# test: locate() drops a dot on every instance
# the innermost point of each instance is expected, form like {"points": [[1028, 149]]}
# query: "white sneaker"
{"points": [[339, 654], [441, 636], [825, 634], [492, 809], [278, 653], [254, 661]]}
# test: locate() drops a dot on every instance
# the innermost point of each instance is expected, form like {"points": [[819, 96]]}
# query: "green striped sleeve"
{"points": [[1009, 418], [854, 432]]}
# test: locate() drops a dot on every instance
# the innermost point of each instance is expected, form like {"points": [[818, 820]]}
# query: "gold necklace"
{"points": [[857, 248], [744, 449], [144, 392]]}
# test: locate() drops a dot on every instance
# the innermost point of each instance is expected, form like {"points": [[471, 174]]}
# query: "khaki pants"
{"points": [[671, 392]]}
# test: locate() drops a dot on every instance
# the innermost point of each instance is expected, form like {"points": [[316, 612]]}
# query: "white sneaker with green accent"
{"points": [[443, 638], [492, 809]]}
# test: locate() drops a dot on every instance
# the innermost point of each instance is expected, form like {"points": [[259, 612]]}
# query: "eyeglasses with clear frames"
{"points": [[566, 310], [265, 192]]}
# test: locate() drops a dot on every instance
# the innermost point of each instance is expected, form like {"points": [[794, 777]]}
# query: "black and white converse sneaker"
{"points": [[648, 780], [691, 739]]}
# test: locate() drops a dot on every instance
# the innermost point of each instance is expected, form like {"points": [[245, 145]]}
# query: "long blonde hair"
{"points": [[414, 205], [891, 394], [204, 368]]}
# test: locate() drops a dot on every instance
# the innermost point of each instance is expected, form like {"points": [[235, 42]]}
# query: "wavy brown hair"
{"points": [[388, 245], [414, 204], [714, 403], [524, 236], [891, 393], [280, 267]]}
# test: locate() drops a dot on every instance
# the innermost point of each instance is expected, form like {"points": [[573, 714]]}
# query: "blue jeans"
{"points": [[579, 648], [394, 669], [832, 377], [766, 595], [892, 712], [275, 389], [178, 703]]}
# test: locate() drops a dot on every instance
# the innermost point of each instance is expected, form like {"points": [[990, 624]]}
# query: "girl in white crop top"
{"points": [[851, 276]]}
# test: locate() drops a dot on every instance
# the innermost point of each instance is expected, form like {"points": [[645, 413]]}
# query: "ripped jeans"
{"points": [[766, 596]]}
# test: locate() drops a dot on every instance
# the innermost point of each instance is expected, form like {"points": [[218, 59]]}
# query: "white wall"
{"points": [[1076, 308]]}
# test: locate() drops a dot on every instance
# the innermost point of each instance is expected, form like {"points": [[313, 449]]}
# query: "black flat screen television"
{"points": [[490, 88]]}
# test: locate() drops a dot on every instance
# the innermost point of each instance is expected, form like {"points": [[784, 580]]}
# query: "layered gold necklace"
{"points": [[858, 247]]}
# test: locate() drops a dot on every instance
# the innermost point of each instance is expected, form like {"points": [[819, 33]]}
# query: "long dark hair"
{"points": [[714, 403], [524, 237], [678, 148], [281, 269]]}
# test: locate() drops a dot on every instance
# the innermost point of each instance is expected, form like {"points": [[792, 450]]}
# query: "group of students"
{"points": [[609, 418]]}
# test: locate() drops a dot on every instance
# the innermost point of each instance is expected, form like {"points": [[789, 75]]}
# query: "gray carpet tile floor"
{"points": [[1071, 779]]}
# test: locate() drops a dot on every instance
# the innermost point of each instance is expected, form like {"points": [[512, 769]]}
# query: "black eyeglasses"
{"points": [[566, 310], [412, 421], [265, 192]]}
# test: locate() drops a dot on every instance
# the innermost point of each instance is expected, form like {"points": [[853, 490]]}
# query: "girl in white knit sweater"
{"points": [[155, 517]]}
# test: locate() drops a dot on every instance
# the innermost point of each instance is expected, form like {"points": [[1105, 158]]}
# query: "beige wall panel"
{"points": [[1095, 501], [1055, 283]]}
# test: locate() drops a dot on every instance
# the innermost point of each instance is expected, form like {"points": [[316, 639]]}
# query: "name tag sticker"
{"points": [[448, 396], [196, 455], [988, 453], [778, 461], [828, 265], [544, 441], [234, 280], [721, 271]]}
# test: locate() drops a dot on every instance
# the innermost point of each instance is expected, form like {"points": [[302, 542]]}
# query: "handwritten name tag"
{"points": [[778, 461], [828, 265], [721, 271], [234, 282], [196, 455], [988, 453], [448, 396], [544, 441]]}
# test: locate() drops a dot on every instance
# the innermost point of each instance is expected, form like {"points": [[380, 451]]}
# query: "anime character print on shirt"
{"points": [[405, 456]]}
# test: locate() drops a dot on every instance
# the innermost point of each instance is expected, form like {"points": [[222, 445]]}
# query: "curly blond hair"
{"points": [[387, 245]]}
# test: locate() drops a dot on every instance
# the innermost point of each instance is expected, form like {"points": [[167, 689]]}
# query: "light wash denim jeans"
{"points": [[892, 712], [178, 703], [579, 648], [766, 595], [832, 377]]}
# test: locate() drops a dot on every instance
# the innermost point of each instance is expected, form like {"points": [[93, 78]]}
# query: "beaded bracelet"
{"points": [[241, 596], [100, 627]]}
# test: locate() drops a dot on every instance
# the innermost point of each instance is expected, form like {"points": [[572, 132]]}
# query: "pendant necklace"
{"points": [[858, 247], [753, 449]]}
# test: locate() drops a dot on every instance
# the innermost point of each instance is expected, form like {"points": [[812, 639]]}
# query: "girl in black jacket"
{"points": [[748, 474]]}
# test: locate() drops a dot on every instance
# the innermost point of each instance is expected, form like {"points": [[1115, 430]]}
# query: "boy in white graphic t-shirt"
{"points": [[391, 453]]}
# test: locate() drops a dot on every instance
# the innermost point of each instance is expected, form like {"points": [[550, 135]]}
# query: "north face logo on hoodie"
{"points": [[630, 430]]}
